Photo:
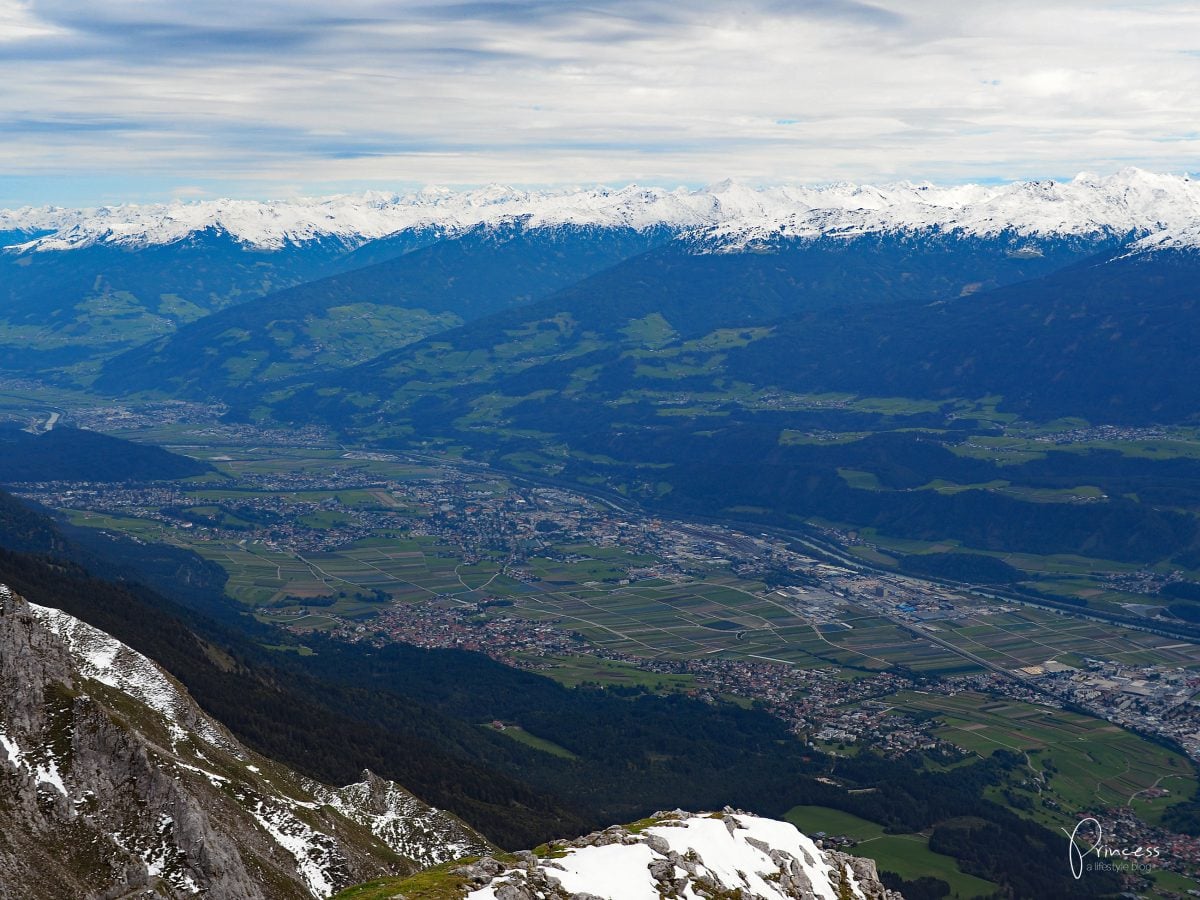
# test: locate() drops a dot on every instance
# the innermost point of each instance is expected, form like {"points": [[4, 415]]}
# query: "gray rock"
{"points": [[102, 786], [657, 844]]}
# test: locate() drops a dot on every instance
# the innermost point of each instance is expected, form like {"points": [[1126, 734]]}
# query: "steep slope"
{"points": [[348, 318], [329, 728], [72, 454], [670, 854], [118, 785], [62, 308]]}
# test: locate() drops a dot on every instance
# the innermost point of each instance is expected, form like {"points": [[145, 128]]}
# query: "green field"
{"points": [[521, 736], [1026, 636], [908, 855], [573, 671], [1077, 762]]}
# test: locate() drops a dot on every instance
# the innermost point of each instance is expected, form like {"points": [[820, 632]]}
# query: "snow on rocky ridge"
{"points": [[727, 215], [1186, 237], [684, 855], [100, 656], [136, 791]]}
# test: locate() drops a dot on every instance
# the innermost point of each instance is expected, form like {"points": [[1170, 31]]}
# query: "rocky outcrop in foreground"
{"points": [[114, 784], [728, 855]]}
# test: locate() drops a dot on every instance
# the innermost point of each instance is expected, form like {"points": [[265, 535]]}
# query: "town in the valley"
{"points": [[589, 588]]}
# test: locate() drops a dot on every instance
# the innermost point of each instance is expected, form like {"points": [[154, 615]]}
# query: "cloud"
{"points": [[280, 93]]}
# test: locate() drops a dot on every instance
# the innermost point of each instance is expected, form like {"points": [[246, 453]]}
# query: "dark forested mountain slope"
{"points": [[694, 413], [1097, 339], [1100, 340], [73, 454], [347, 318], [63, 307]]}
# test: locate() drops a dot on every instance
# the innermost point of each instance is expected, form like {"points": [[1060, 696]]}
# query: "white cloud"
{"points": [[18, 23], [276, 93]]}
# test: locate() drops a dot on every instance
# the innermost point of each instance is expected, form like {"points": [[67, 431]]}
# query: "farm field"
{"points": [[1026, 636], [338, 551], [728, 618]]}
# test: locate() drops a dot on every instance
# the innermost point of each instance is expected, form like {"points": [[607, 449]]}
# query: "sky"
{"points": [[147, 100]]}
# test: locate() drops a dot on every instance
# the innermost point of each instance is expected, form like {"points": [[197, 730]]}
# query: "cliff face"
{"points": [[114, 784]]}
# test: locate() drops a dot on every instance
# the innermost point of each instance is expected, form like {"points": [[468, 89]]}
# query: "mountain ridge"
{"points": [[110, 761], [1130, 201], [725, 854]]}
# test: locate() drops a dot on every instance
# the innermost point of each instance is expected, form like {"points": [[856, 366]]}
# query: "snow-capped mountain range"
{"points": [[1131, 202]]}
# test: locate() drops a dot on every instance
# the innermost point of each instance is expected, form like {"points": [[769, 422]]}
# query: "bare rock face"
{"points": [[678, 854], [114, 784]]}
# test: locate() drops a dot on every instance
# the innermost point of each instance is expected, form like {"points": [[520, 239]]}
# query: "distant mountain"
{"points": [[1099, 340], [354, 316], [59, 309], [80, 285], [1127, 202], [875, 316], [118, 784], [606, 277], [72, 454], [682, 392]]}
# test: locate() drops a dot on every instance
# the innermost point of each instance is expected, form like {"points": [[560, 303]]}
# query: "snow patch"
{"points": [[615, 871], [757, 857], [1186, 238], [213, 778], [316, 854], [100, 656], [48, 774], [11, 750], [41, 764]]}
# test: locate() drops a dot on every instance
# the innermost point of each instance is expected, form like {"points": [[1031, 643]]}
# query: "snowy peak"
{"points": [[1128, 203], [408, 826], [729, 215], [679, 854], [117, 784], [1184, 239]]}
